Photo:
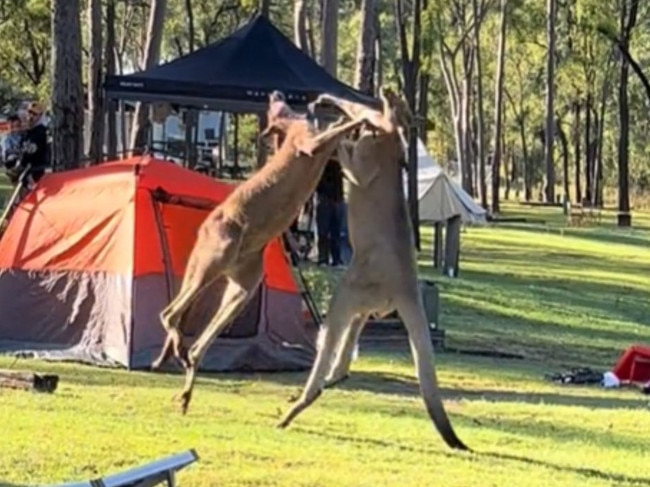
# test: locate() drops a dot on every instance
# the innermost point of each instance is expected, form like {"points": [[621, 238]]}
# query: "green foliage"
{"points": [[25, 54], [587, 61]]}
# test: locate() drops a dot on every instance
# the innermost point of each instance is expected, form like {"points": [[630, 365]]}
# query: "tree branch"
{"points": [[628, 57]]}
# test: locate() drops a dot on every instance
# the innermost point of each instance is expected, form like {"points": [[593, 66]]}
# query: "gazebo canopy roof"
{"points": [[235, 74]]}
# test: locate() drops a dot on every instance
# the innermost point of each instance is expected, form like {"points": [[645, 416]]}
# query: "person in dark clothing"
{"points": [[329, 214], [11, 148], [34, 142]]}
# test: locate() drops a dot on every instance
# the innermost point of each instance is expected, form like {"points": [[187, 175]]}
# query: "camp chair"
{"points": [[154, 473], [304, 235]]}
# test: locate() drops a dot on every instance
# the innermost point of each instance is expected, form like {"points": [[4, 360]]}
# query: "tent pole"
{"points": [[195, 140], [123, 149], [188, 138], [235, 143], [164, 140], [307, 296], [218, 164]]}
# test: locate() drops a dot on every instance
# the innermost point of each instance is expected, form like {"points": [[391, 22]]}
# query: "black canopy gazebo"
{"points": [[235, 74]]}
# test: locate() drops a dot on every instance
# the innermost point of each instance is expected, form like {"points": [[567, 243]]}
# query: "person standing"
{"points": [[329, 214], [34, 142], [11, 150]]}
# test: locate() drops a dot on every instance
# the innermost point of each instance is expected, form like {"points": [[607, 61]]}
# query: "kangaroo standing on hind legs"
{"points": [[231, 240], [382, 275]]}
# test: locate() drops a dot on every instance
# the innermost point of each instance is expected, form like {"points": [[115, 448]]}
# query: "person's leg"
{"points": [[13, 175], [346, 249], [37, 173], [293, 228], [323, 212], [336, 221]]}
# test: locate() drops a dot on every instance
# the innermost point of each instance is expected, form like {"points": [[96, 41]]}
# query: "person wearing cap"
{"points": [[34, 141]]}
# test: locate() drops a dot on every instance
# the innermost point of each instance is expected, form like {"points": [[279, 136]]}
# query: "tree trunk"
{"points": [[599, 141], [110, 105], [456, 107], [508, 156], [329, 36], [423, 105], [191, 115], [480, 112], [151, 57], [95, 108], [265, 8], [498, 107], [577, 136], [364, 74], [466, 105], [379, 61], [588, 194], [528, 190], [564, 141], [598, 169], [410, 74], [628, 22], [550, 101], [300, 25], [311, 43], [623, 142], [67, 92], [506, 178], [507, 170], [191, 36], [636, 67]]}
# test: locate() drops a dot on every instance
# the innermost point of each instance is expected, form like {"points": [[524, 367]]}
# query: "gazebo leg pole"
{"points": [[261, 146]]}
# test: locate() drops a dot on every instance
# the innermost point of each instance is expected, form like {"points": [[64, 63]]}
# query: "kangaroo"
{"points": [[382, 275], [231, 240]]}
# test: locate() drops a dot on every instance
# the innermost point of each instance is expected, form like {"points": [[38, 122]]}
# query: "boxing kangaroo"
{"points": [[231, 240], [382, 275]]}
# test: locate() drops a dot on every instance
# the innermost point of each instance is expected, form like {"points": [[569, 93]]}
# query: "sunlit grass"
{"points": [[557, 296]]}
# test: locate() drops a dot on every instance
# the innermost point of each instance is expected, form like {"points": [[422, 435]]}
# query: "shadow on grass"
{"points": [[372, 382], [395, 384], [537, 428], [7, 484], [604, 233], [591, 473]]}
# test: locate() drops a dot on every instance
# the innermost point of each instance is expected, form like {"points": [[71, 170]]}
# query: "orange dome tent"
{"points": [[91, 256]]}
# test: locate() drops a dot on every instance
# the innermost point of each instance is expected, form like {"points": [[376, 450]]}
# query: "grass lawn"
{"points": [[5, 189], [559, 297]]}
